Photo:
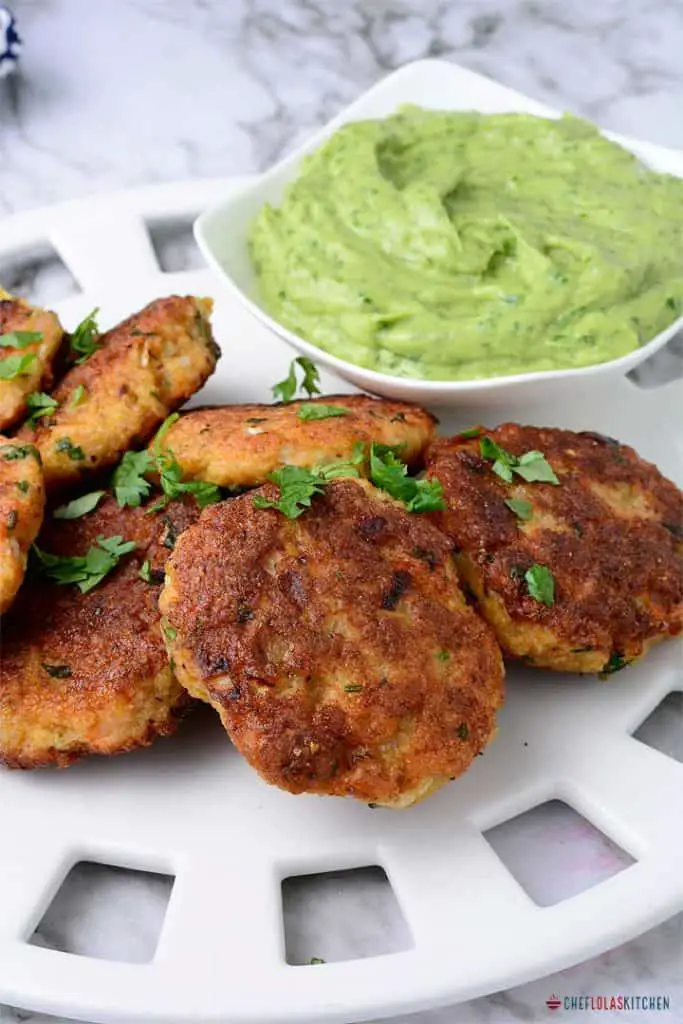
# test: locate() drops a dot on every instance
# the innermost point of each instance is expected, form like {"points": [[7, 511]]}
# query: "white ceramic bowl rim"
{"points": [[660, 158]]}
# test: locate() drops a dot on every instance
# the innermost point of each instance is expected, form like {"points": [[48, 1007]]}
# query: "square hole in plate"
{"points": [[43, 280], [342, 915], [663, 727], [555, 853], [175, 247], [106, 912]]}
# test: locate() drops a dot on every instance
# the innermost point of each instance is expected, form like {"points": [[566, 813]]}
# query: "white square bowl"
{"points": [[222, 234]]}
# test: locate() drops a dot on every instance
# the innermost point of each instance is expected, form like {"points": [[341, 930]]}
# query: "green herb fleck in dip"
{"points": [[452, 246]]}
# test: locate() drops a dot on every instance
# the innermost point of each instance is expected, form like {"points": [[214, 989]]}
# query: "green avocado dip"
{"points": [[452, 246]]}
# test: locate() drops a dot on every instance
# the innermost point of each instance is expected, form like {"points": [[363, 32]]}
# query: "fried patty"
{"points": [[88, 673], [611, 534], [239, 445], [337, 648], [17, 316], [143, 370], [22, 501]]}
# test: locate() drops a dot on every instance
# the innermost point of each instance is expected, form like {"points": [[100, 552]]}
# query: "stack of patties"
{"points": [[83, 668]]}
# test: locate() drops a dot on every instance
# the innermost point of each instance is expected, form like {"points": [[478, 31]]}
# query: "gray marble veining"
{"points": [[123, 92]]}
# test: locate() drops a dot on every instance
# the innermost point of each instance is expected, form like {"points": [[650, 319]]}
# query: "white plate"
{"points": [[222, 233], [191, 807]]}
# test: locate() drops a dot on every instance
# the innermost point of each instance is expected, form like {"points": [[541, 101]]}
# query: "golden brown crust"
{"points": [[337, 648], [611, 534], [144, 369], [108, 686], [239, 445], [17, 315], [22, 502]]}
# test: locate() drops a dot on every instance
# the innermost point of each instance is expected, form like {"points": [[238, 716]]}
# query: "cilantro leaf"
{"points": [[315, 411], [311, 376], [285, 390], [20, 339], [522, 509], [15, 366], [84, 340], [532, 466], [171, 474], [79, 506], [470, 433], [344, 467], [74, 451], [298, 487], [86, 571], [77, 397], [40, 404], [150, 575], [615, 663], [428, 497], [128, 481], [13, 452], [541, 584], [389, 473]]}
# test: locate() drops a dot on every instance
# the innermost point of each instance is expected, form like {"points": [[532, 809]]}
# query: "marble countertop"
{"points": [[124, 92]]}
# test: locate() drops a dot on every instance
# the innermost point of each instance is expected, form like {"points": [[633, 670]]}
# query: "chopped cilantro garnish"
{"points": [[315, 411], [353, 688], [15, 366], [443, 655], [20, 339], [57, 671], [615, 663], [78, 396], [79, 506], [541, 584], [472, 432], [532, 466], [285, 390], [128, 481], [150, 575], [522, 509], [86, 571], [171, 474], [13, 452], [40, 404], [463, 731], [84, 340], [23, 486], [319, 959], [297, 486], [74, 451], [391, 474], [169, 632]]}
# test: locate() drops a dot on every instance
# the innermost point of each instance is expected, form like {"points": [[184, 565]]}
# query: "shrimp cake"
{"points": [[115, 400], [239, 445], [611, 534], [16, 316], [22, 502], [337, 648], [88, 673]]}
